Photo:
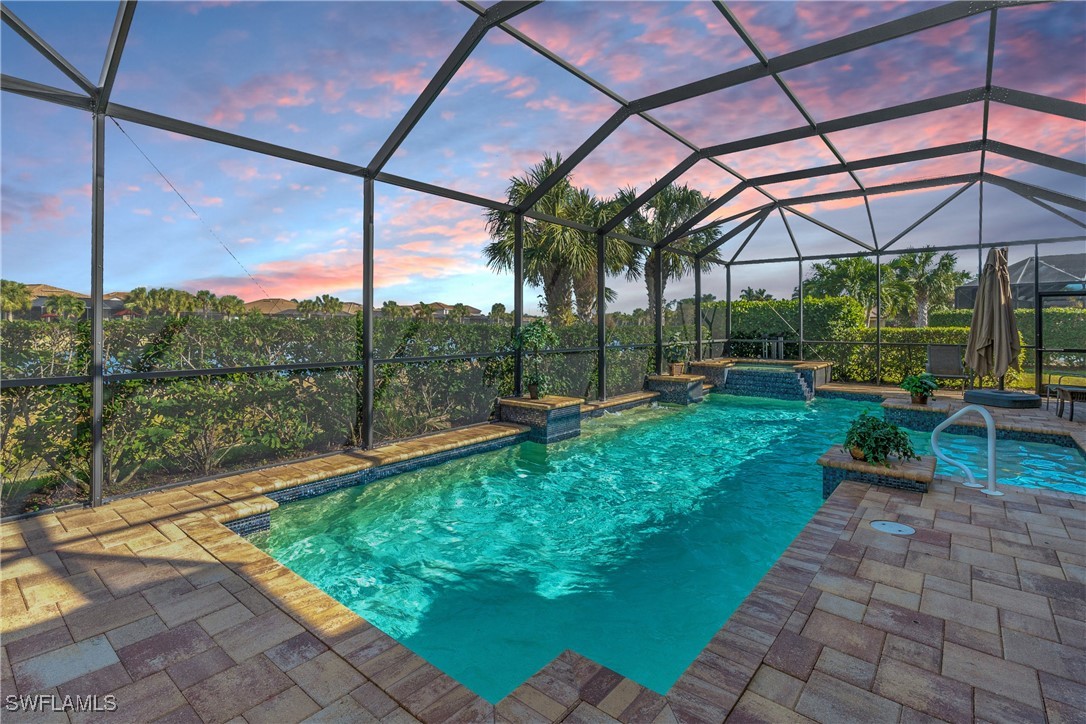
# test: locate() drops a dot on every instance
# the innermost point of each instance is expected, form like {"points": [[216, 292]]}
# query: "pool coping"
{"points": [[168, 556]]}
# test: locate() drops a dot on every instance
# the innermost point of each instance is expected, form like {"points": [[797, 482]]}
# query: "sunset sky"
{"points": [[335, 78]]}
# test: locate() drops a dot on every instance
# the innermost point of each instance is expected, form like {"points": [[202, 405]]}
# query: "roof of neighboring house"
{"points": [[48, 290], [351, 308], [441, 305], [1056, 269], [275, 305]]}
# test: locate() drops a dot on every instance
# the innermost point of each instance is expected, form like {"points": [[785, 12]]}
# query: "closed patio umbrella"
{"points": [[993, 334]]}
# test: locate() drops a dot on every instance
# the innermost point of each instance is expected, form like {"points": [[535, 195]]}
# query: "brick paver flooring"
{"points": [[977, 616]]}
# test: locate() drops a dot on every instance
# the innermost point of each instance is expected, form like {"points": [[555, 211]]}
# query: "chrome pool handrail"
{"points": [[970, 481]]}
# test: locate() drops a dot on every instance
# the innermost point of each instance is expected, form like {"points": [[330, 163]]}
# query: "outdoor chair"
{"points": [[945, 361]]}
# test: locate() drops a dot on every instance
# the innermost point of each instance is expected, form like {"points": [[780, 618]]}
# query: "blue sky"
{"points": [[335, 78]]}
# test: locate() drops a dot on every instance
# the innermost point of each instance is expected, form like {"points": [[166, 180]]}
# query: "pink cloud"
{"points": [[732, 114], [1054, 135], [262, 93], [30, 211]]}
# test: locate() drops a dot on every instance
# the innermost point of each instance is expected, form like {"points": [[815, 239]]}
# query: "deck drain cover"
{"points": [[888, 526]]}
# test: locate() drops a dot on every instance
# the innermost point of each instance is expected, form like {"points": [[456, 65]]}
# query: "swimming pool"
{"points": [[631, 545]]}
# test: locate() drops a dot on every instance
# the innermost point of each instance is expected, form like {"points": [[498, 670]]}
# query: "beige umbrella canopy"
{"points": [[993, 334]]}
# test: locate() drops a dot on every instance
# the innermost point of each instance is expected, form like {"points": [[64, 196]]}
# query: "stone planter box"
{"points": [[838, 466], [550, 418], [677, 389]]}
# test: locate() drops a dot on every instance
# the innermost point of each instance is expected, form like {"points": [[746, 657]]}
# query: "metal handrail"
{"points": [[970, 481]]}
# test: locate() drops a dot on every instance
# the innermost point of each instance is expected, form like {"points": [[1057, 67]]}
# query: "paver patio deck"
{"points": [[978, 616]]}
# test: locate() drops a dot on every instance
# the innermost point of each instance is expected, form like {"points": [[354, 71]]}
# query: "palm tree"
{"points": [[925, 280], [307, 307], [657, 219], [855, 277], [14, 297], [391, 310], [205, 301], [329, 305], [559, 259], [751, 294], [498, 314], [424, 311], [230, 305], [65, 306], [139, 300], [459, 312]]}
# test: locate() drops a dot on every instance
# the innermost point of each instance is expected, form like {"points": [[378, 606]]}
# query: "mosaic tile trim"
{"points": [[832, 477], [253, 524], [262, 521], [927, 421], [777, 385], [841, 395]]}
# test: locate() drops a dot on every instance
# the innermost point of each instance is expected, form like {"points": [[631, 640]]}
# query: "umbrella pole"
{"points": [[1002, 379]]}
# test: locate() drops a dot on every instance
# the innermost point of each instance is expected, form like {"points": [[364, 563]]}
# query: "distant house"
{"points": [[1059, 273], [445, 311], [40, 295], [273, 306]]}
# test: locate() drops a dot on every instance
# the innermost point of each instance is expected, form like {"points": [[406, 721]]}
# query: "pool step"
{"points": [[773, 384]]}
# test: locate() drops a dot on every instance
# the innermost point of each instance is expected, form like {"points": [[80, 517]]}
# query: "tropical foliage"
{"points": [[913, 284]]}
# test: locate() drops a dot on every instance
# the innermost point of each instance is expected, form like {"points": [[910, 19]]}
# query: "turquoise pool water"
{"points": [[631, 544]]}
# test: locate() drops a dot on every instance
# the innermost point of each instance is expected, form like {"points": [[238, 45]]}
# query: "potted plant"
{"points": [[675, 354], [873, 440], [920, 386], [531, 340]]}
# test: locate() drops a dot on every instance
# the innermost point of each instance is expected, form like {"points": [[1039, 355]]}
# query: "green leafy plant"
{"points": [[675, 350], [920, 385], [878, 439], [531, 340]]}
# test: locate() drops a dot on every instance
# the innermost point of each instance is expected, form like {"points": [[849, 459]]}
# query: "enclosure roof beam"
{"points": [[646, 196], [596, 84], [888, 160], [1043, 104], [496, 14], [885, 189], [831, 229], [50, 53], [1042, 193], [40, 92], [194, 130], [1041, 159], [1050, 209], [831, 48], [955, 247], [891, 30], [117, 39], [928, 215], [791, 236], [761, 220], [685, 227], [733, 217], [754, 219], [753, 46]]}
